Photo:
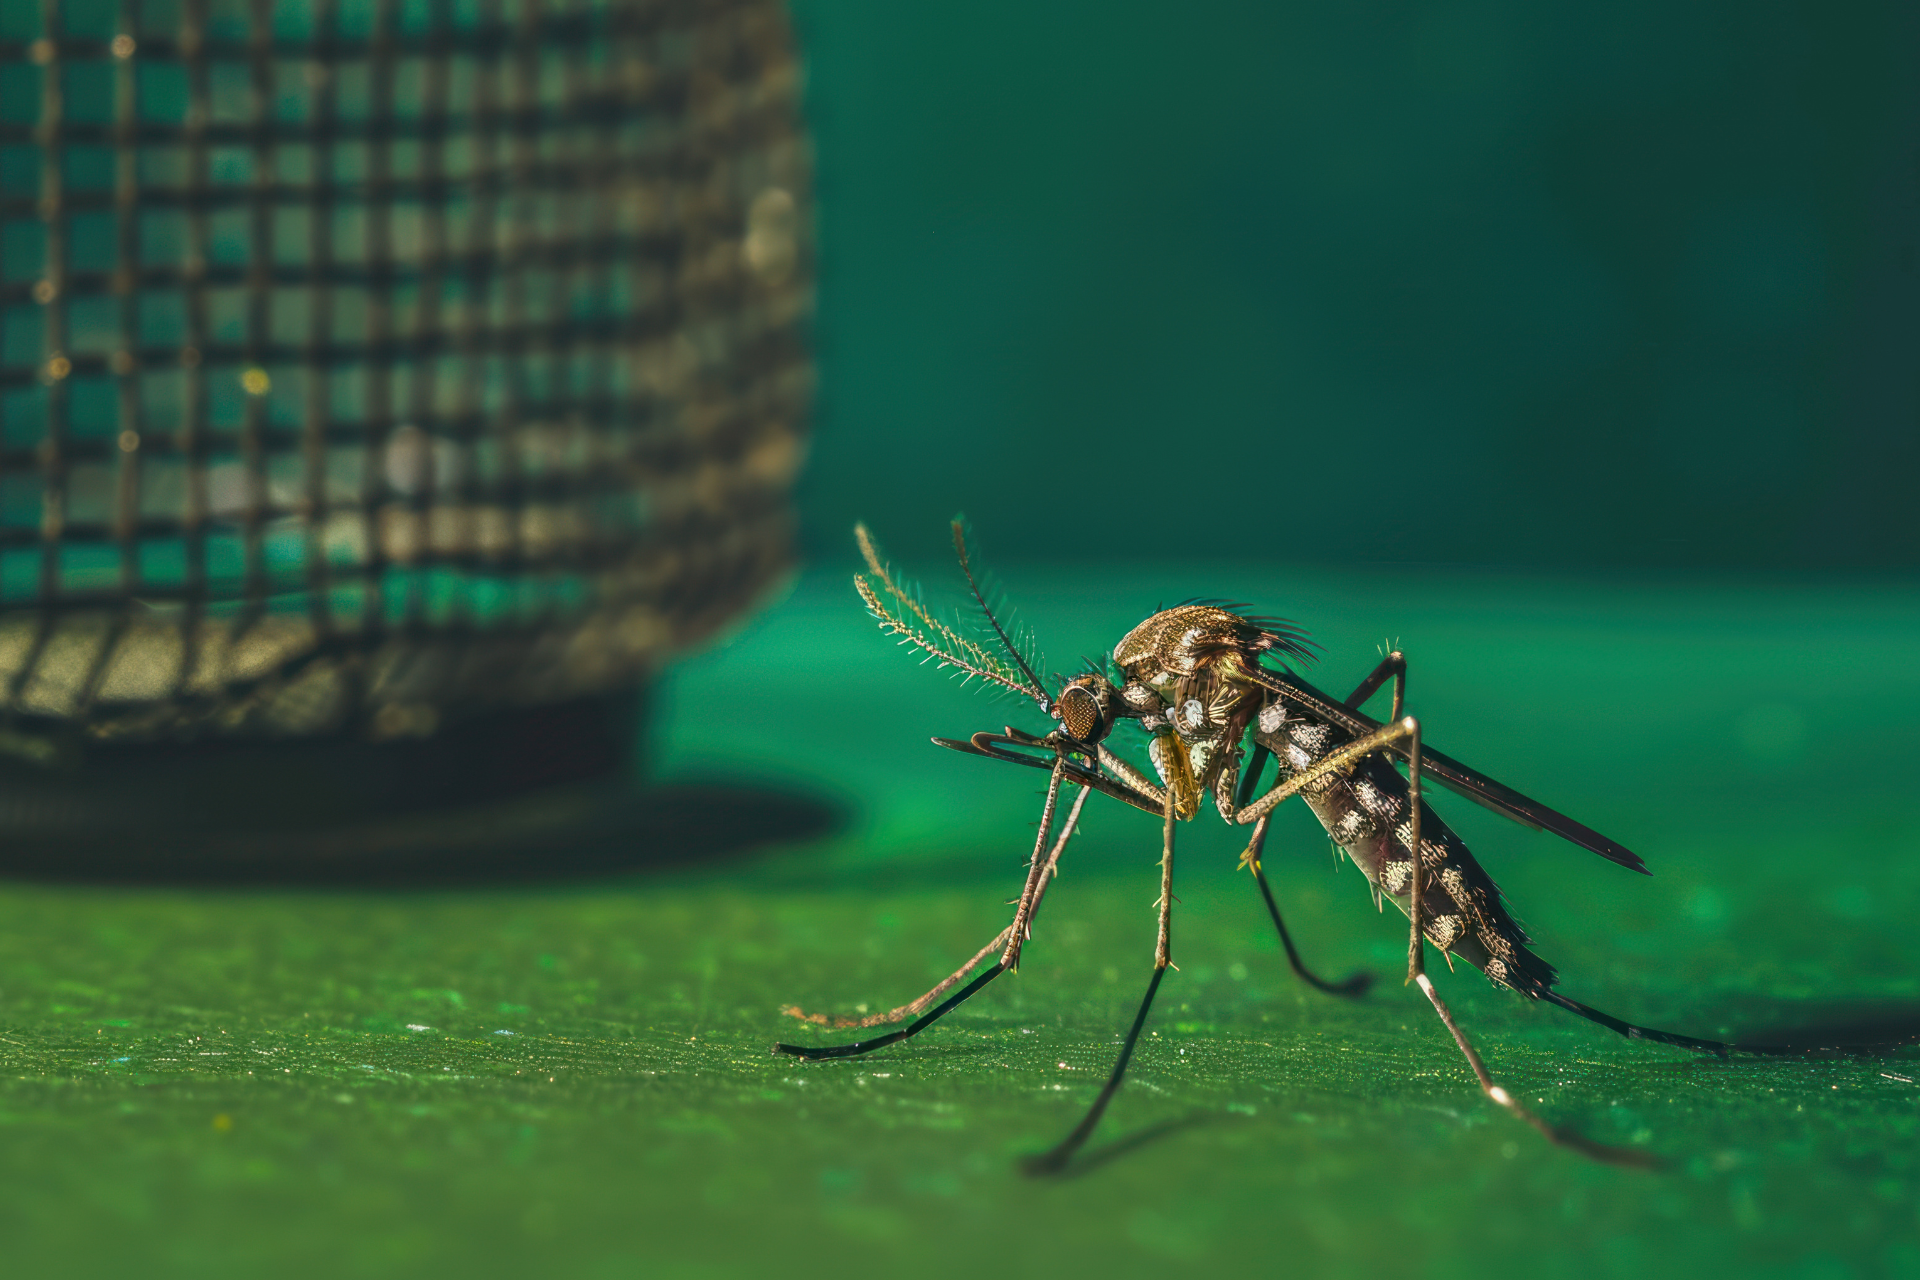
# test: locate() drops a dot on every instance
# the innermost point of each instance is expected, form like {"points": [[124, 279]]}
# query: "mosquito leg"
{"points": [[1039, 877], [1250, 777], [919, 1006], [1417, 974], [910, 1010], [1354, 986], [1406, 729], [1054, 1161], [1339, 758], [815, 1053], [1022, 927], [1558, 1136], [1163, 946], [1417, 890], [1395, 665]]}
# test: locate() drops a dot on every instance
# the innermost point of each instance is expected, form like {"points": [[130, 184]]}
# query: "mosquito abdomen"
{"points": [[1366, 814]]}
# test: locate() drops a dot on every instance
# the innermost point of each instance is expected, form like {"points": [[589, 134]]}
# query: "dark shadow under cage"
{"points": [[370, 366]]}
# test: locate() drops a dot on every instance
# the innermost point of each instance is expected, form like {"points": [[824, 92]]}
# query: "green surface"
{"points": [[574, 1079]]}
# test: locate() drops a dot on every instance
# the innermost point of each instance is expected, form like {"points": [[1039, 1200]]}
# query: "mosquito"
{"points": [[1197, 678]]}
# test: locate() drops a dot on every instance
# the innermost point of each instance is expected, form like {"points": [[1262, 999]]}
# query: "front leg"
{"points": [[1054, 1161], [1040, 874]]}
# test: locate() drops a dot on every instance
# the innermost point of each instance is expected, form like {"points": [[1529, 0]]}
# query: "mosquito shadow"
{"points": [[1837, 1028], [563, 834], [1085, 1163]]}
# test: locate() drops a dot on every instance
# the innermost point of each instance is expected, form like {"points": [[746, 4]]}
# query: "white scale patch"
{"points": [[1396, 875], [1311, 736], [1443, 930], [1199, 756], [1272, 717], [1192, 714], [1431, 854], [1376, 801]]}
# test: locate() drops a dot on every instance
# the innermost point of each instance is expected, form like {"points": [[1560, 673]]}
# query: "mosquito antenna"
{"points": [[1006, 641], [915, 626], [909, 598]]}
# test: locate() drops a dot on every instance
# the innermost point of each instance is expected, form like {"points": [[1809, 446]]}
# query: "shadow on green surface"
{"points": [[1129, 1143], [565, 833], [1834, 1027]]}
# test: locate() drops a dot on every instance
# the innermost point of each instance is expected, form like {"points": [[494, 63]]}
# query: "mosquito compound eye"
{"points": [[1079, 712]]}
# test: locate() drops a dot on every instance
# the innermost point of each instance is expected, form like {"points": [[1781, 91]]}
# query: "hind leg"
{"points": [[1356, 985], [1407, 730]]}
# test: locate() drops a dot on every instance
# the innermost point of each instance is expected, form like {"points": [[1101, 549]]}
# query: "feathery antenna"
{"points": [[1006, 641], [911, 621]]}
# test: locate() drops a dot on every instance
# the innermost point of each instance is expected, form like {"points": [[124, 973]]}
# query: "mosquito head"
{"points": [[1085, 708]]}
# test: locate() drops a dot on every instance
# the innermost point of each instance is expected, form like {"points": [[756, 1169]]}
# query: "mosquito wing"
{"points": [[1456, 777]]}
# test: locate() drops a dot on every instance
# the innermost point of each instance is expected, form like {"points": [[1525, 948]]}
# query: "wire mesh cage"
{"points": [[368, 366]]}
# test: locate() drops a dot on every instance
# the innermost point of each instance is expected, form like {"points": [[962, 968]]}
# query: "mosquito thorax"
{"points": [[1141, 703]]}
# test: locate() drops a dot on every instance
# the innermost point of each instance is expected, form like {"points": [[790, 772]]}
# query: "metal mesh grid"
{"points": [[369, 362]]}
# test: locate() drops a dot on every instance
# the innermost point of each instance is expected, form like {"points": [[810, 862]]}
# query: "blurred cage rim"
{"points": [[396, 381]]}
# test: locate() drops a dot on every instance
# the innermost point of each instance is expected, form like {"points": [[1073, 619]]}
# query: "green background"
{"points": [[1477, 281], [1528, 340]]}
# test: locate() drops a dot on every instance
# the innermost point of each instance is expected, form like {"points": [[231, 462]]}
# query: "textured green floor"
{"points": [[575, 1080]]}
